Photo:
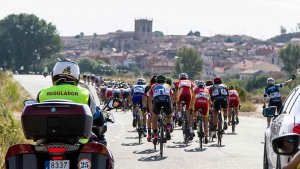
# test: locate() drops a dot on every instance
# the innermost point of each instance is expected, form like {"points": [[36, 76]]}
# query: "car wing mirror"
{"points": [[29, 102], [286, 144], [269, 111]]}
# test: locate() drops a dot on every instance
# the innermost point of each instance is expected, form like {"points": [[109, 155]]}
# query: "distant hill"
{"points": [[284, 38]]}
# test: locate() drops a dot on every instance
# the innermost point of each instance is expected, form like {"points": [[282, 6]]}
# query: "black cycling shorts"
{"points": [[162, 102], [220, 103]]}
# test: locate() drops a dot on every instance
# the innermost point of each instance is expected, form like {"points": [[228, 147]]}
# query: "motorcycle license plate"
{"points": [[57, 164]]}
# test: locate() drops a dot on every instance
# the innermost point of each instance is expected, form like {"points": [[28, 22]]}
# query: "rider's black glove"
{"points": [[264, 106], [293, 77]]}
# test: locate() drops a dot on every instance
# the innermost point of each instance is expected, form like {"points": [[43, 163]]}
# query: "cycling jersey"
{"points": [[184, 91], [219, 96], [108, 92], [272, 92], [161, 93], [201, 98], [234, 98], [116, 93], [137, 93]]}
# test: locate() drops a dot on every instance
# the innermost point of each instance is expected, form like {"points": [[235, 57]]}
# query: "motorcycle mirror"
{"points": [[29, 102], [114, 104], [269, 111], [286, 144]]}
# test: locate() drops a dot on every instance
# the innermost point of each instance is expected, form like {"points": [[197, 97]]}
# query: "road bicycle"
{"points": [[139, 122], [200, 130], [185, 124], [217, 131], [233, 122], [161, 132]]}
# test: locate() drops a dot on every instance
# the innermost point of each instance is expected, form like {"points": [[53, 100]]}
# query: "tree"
{"points": [[290, 56], [158, 34], [282, 30], [86, 64], [189, 61], [191, 33], [25, 40], [298, 26], [95, 35], [197, 34]]}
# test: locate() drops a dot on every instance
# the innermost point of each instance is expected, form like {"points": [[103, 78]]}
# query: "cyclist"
{"points": [[65, 79], [108, 92], [219, 97], [209, 83], [201, 100], [116, 92], [272, 91], [84, 78], [234, 102], [146, 103], [126, 94], [184, 93], [137, 94], [160, 96]]}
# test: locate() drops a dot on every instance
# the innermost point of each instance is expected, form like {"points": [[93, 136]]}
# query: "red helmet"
{"points": [[209, 83], [217, 80]]}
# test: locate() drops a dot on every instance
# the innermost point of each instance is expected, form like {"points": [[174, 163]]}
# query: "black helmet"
{"points": [[161, 79], [153, 79], [169, 81]]}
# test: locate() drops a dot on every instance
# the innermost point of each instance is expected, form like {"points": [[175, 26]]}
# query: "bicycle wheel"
{"points": [[201, 133], [139, 126], [219, 137], [162, 139], [219, 133], [232, 121]]}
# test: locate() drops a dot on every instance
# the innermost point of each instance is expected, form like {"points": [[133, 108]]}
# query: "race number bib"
{"points": [[160, 92], [202, 95], [182, 84], [138, 89], [215, 92]]}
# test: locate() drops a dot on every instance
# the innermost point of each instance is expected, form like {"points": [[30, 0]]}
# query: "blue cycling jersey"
{"points": [[273, 93]]}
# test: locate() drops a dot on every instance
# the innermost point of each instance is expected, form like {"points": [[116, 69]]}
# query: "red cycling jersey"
{"points": [[234, 98], [184, 91], [202, 100]]}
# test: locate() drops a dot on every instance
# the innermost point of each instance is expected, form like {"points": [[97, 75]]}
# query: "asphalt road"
{"points": [[243, 150]]}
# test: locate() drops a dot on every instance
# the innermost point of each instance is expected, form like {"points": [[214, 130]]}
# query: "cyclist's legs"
{"points": [[205, 114], [217, 107]]}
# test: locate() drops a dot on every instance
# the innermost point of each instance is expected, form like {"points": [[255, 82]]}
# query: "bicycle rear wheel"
{"points": [[162, 139], [200, 132], [219, 137], [233, 122], [139, 126]]}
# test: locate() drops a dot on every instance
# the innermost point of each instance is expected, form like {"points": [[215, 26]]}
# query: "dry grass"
{"points": [[12, 96]]}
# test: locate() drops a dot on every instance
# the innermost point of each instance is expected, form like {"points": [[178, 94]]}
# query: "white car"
{"points": [[288, 121]]}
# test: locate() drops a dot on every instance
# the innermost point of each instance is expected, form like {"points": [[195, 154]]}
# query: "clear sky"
{"points": [[258, 18]]}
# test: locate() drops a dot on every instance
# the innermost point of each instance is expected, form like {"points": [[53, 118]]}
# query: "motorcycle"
{"points": [[57, 127]]}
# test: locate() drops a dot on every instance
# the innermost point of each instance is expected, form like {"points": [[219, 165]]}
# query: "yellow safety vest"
{"points": [[73, 93]]}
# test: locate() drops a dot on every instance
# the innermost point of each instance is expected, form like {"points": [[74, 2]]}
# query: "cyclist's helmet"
{"points": [[200, 83], [84, 76], [161, 79], [169, 81], [217, 80], [153, 79], [231, 87], [196, 82], [270, 81], [209, 83], [183, 76], [141, 81], [65, 72]]}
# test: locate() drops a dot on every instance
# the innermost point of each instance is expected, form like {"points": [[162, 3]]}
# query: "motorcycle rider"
{"points": [[65, 78]]}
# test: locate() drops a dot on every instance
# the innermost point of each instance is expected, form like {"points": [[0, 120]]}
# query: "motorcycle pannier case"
{"points": [[61, 120]]}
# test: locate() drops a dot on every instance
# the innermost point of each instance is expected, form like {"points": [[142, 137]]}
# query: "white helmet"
{"points": [[183, 76], [141, 81], [200, 83], [67, 71], [270, 81]]}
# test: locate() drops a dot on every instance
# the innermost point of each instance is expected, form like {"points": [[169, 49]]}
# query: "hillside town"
{"points": [[222, 55]]}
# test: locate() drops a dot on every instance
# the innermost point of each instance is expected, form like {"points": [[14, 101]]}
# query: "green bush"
{"points": [[247, 107], [11, 100]]}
